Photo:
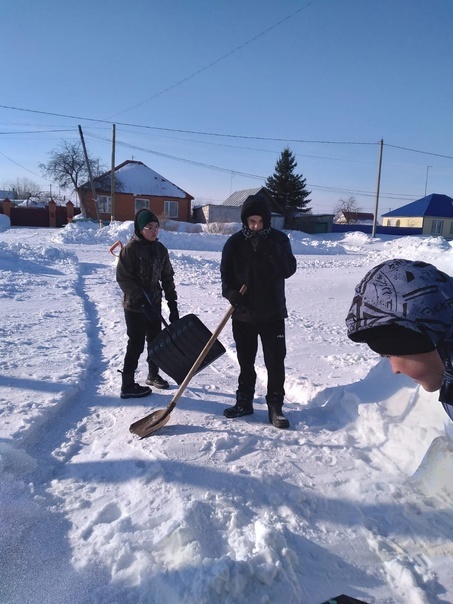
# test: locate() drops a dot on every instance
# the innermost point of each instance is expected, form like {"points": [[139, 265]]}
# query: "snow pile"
{"points": [[354, 498]]}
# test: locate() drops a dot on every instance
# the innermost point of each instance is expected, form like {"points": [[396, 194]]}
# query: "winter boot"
{"points": [[156, 381], [274, 405], [243, 406], [130, 389]]}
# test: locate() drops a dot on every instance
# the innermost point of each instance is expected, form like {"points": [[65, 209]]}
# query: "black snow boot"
{"points": [[130, 389], [274, 405], [243, 406], [157, 381]]}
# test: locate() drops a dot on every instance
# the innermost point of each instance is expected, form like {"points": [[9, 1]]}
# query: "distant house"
{"points": [[11, 195], [433, 214], [136, 187], [355, 218], [230, 209]]}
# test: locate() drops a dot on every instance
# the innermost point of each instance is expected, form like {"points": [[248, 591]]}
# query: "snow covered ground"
{"points": [[356, 497]]}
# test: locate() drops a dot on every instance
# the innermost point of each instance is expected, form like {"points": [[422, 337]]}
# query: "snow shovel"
{"points": [[156, 420], [113, 247], [175, 348], [343, 599]]}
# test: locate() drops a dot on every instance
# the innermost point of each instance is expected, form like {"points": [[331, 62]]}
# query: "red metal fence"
{"points": [[49, 216]]}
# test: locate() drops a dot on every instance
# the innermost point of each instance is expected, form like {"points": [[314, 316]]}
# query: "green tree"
{"points": [[286, 187]]}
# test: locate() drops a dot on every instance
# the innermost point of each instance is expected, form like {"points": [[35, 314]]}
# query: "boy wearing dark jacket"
{"points": [[261, 258], [144, 264]]}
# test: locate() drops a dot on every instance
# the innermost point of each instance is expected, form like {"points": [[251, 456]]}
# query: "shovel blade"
{"points": [[150, 423]]}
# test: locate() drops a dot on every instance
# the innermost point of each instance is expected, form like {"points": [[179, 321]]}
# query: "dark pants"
{"points": [[272, 335], [139, 329]]}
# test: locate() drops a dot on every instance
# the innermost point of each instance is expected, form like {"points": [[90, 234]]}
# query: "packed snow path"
{"points": [[209, 509]]}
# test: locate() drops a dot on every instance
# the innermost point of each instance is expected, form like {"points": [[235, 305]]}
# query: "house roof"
{"points": [[138, 179], [238, 198], [358, 216], [431, 205]]}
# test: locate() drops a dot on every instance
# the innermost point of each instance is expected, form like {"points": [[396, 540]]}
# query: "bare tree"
{"points": [[24, 188], [67, 167], [347, 208]]}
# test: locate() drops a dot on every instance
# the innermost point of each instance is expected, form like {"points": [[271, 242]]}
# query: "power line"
{"points": [[216, 134], [416, 151], [259, 177], [147, 127], [36, 131], [20, 166], [223, 57]]}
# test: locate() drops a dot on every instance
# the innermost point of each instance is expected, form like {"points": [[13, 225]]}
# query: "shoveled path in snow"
{"points": [[215, 510]]}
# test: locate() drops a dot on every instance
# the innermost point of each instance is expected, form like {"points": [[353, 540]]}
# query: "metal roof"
{"points": [[238, 197], [431, 205]]}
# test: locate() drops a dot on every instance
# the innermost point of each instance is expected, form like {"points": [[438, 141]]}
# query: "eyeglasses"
{"points": [[151, 228]]}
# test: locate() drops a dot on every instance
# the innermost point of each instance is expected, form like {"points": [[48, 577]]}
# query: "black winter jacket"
{"points": [[146, 263], [263, 270]]}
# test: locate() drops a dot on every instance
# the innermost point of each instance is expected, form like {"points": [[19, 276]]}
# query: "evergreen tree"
{"points": [[287, 188]]}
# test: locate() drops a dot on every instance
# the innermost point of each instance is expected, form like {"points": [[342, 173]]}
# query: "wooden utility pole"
{"points": [[381, 146], [112, 180], [426, 181], [93, 191]]}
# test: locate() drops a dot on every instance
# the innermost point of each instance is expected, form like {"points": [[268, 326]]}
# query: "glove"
{"points": [[174, 314], [236, 299]]}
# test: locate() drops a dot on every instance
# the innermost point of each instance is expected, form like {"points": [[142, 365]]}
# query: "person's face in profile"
{"points": [[427, 369]]}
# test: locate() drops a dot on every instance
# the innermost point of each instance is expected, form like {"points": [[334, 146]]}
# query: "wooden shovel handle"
{"points": [[114, 246], [203, 353]]}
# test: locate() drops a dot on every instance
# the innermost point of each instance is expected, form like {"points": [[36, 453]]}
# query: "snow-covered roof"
{"points": [[431, 205], [138, 179]]}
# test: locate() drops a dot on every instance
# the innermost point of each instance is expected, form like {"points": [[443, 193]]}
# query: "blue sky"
{"points": [[209, 92]]}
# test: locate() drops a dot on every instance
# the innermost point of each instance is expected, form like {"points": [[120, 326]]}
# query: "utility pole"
{"points": [[112, 180], [426, 181], [231, 182], [93, 191], [381, 146]]}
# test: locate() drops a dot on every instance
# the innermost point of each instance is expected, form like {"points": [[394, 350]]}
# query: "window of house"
{"points": [[451, 227], [437, 227], [104, 204], [398, 222], [171, 209], [141, 204]]}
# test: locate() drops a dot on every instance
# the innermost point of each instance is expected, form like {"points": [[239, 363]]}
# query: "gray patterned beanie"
{"points": [[406, 307], [409, 294], [394, 340]]}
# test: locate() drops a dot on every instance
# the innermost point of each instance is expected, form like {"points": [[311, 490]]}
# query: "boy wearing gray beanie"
{"points": [[403, 310]]}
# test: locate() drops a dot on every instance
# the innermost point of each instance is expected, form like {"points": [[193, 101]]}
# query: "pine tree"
{"points": [[288, 189]]}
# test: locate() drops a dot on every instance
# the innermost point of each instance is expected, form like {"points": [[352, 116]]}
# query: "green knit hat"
{"points": [[144, 217]]}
